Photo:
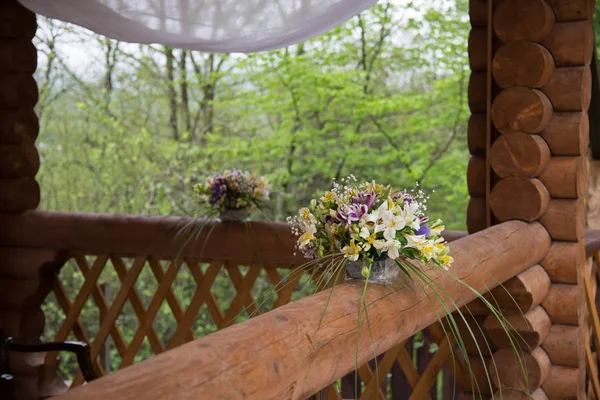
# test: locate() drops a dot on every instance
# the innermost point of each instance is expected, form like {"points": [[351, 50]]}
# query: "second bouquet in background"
{"points": [[233, 195]]}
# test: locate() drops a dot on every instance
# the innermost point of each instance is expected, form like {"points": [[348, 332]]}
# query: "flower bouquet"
{"points": [[234, 194], [373, 229]]}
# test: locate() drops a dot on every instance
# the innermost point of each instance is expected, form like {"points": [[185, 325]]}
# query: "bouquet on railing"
{"points": [[234, 194], [372, 228]]}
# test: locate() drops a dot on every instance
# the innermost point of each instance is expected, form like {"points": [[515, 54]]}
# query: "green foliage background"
{"points": [[135, 126]]}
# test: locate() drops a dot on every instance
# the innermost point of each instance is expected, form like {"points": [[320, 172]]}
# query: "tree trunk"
{"points": [[171, 93]]}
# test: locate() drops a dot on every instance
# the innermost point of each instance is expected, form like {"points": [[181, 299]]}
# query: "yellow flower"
{"points": [[306, 238], [305, 213], [352, 251], [446, 260], [328, 197]]}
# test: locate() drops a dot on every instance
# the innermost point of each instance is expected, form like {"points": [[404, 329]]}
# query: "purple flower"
{"points": [[348, 214], [424, 230], [366, 198], [407, 198], [423, 219]]}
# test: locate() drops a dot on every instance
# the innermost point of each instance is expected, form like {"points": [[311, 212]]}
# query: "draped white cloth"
{"points": [[220, 26]]}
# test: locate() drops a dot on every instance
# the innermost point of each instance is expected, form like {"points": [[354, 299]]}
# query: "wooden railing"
{"points": [[115, 252], [283, 353], [108, 259]]}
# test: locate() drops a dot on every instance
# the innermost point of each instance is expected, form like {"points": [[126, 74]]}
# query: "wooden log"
{"points": [[476, 308], [565, 177], [476, 134], [479, 376], [528, 373], [562, 303], [567, 134], [519, 154], [18, 195], [16, 21], [470, 329], [518, 394], [15, 292], [571, 43], [561, 345], [476, 215], [478, 12], [476, 176], [592, 242], [521, 109], [572, 10], [564, 10], [477, 45], [18, 91], [21, 263], [522, 63], [11, 321], [19, 160], [531, 20], [565, 219], [17, 55], [524, 291], [570, 89], [528, 330], [476, 92], [18, 126], [562, 261], [561, 383], [282, 347], [519, 198]]}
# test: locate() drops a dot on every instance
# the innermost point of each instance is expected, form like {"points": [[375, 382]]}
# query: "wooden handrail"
{"points": [[284, 353], [134, 235]]}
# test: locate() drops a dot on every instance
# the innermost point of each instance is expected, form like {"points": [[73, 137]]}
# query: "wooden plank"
{"points": [[137, 305], [243, 286], [171, 297], [204, 283], [102, 305], [73, 314], [158, 237], [429, 376], [146, 321]]}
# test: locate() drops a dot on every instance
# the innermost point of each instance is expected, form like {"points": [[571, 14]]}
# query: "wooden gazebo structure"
{"points": [[529, 94]]}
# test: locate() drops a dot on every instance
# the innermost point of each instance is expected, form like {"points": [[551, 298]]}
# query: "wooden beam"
{"points": [[273, 356]]}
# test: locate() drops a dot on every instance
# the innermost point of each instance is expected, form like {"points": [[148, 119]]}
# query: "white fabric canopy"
{"points": [[221, 26]]}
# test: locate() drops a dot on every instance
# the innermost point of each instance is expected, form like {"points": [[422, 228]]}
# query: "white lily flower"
{"points": [[364, 232], [416, 241], [393, 249], [307, 236], [393, 223]]}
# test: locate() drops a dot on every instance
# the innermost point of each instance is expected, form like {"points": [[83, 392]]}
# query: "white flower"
{"points": [[416, 241], [437, 228], [409, 213], [307, 236], [364, 232], [393, 249], [392, 224], [352, 251]]}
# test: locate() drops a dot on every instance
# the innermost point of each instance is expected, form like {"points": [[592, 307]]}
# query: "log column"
{"points": [[537, 158], [23, 279]]}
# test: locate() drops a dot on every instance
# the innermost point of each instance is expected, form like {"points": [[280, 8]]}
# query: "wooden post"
{"points": [[536, 169], [537, 156], [25, 275]]}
